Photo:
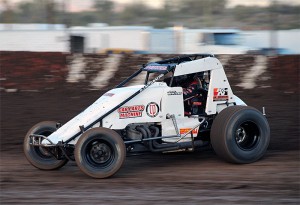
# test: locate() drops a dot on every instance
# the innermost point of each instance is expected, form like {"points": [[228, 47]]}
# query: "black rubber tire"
{"points": [[35, 155], [240, 134], [100, 152]]}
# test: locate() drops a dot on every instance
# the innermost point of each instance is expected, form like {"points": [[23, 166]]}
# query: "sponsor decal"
{"points": [[109, 94], [151, 82], [173, 92], [185, 130], [156, 68], [220, 94], [152, 109], [131, 111]]}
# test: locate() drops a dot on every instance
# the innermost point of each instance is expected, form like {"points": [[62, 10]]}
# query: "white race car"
{"points": [[185, 103]]}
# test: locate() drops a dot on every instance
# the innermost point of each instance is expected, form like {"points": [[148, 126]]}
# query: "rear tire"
{"points": [[100, 152], [240, 134], [39, 156]]}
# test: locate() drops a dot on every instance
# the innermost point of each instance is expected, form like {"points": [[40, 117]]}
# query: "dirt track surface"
{"points": [[177, 178]]}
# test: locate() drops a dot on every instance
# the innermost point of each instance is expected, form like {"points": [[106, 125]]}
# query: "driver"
{"points": [[194, 95]]}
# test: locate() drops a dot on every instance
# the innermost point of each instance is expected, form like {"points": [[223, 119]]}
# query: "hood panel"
{"points": [[101, 106]]}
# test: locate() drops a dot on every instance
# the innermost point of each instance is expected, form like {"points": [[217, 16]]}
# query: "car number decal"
{"points": [[152, 109]]}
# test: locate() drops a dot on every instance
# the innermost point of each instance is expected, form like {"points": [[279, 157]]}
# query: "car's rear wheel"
{"points": [[100, 152], [41, 157], [240, 134]]}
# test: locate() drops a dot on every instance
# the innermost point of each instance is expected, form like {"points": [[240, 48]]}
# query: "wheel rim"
{"points": [[247, 135], [99, 153]]}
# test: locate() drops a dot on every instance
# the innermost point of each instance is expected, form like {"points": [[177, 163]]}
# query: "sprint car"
{"points": [[157, 116]]}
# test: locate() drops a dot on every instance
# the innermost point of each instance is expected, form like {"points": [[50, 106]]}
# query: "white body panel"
{"points": [[134, 111], [184, 125], [153, 104], [153, 95], [90, 114], [200, 65], [219, 81]]}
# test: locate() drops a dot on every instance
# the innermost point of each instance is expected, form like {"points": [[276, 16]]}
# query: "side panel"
{"points": [[184, 125], [219, 91], [173, 105], [101, 106], [199, 65], [146, 107], [237, 100], [172, 102]]}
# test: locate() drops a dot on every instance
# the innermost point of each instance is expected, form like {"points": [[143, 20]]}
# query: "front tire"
{"points": [[240, 134], [40, 157], [100, 152]]}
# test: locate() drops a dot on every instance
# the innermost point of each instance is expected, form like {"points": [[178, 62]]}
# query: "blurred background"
{"points": [[151, 26]]}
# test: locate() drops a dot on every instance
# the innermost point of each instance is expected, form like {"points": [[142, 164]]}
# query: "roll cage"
{"points": [[164, 67]]}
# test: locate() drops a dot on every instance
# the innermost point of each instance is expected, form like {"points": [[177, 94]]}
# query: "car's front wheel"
{"points": [[100, 152], [38, 156]]}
